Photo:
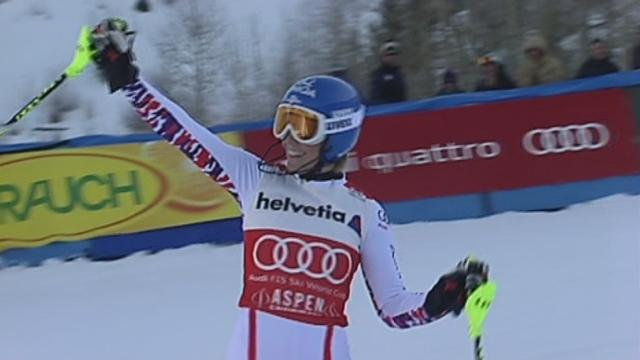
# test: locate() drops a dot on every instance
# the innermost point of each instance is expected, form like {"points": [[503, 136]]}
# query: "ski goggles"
{"points": [[311, 127]]}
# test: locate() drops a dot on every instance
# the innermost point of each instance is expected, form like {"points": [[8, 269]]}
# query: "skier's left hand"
{"points": [[450, 293], [476, 271]]}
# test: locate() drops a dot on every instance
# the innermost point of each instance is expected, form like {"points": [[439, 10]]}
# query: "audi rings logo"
{"points": [[560, 139], [295, 256]]}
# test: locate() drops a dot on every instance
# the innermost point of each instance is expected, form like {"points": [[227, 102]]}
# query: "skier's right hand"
{"points": [[112, 42]]}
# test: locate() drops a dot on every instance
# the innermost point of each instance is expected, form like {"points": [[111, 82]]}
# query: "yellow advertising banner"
{"points": [[81, 193]]}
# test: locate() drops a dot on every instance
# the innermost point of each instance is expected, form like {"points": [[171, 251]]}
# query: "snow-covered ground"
{"points": [[569, 290]]}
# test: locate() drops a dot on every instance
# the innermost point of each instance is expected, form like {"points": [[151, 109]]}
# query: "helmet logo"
{"points": [[336, 126], [293, 99], [305, 87]]}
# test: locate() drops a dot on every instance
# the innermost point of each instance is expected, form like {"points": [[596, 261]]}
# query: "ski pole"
{"points": [[22, 113], [477, 308], [82, 58]]}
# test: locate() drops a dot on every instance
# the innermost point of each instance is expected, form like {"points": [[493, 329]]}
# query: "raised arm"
{"points": [[232, 168]]}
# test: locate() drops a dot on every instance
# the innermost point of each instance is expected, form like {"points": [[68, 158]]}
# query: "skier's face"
{"points": [[300, 157]]}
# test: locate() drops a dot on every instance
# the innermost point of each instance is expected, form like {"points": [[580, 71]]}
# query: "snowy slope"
{"points": [[569, 289]]}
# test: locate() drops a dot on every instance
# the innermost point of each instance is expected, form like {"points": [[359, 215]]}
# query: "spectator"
{"points": [[387, 82], [540, 66], [599, 63], [634, 56], [495, 76], [449, 84]]}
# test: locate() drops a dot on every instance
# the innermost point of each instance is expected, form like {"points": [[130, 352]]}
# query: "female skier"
{"points": [[306, 232]]}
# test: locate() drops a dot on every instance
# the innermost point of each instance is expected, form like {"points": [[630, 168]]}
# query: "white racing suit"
{"points": [[303, 243]]}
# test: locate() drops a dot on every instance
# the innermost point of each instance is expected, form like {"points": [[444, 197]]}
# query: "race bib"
{"points": [[298, 276]]}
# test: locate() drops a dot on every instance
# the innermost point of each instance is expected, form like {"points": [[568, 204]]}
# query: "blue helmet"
{"points": [[340, 105]]}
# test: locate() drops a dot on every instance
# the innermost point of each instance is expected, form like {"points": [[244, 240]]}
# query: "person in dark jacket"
{"points": [[449, 84], [387, 82], [495, 76], [599, 63]]}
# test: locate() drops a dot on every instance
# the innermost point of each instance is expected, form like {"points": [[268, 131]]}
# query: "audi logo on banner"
{"points": [[295, 256], [560, 139]]}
